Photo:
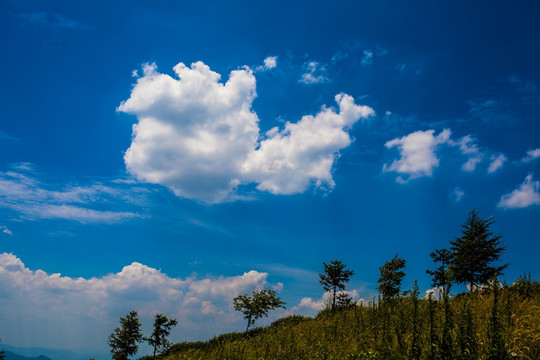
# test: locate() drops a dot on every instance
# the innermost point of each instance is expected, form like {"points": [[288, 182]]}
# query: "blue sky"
{"points": [[167, 157]]}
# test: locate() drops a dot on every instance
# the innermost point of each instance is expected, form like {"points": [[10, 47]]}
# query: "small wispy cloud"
{"points": [[5, 230], [457, 194], [269, 63], [527, 194], [468, 147], [22, 192], [314, 73], [497, 162], [532, 154], [53, 20], [6, 138]]}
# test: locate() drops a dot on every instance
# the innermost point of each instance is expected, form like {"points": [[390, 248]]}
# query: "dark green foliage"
{"points": [[123, 341], [433, 331], [416, 349], [525, 286], [355, 332], [344, 301], [290, 320], [390, 278], [466, 332], [2, 353], [257, 305], [334, 278], [475, 252], [447, 344], [162, 329], [495, 347], [441, 275]]}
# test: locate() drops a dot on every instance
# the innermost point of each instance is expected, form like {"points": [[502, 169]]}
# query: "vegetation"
{"points": [[492, 321], [356, 332], [475, 252], [257, 305], [162, 329], [391, 277], [123, 341], [334, 278], [2, 353]]}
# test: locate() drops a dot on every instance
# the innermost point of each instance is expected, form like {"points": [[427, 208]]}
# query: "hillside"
{"points": [[489, 324], [12, 356]]}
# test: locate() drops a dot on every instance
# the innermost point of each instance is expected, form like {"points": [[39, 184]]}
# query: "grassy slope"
{"points": [[387, 332]]}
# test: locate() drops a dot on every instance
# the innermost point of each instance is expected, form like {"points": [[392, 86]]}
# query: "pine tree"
{"points": [[475, 252], [334, 278], [441, 275], [123, 341], [390, 278], [162, 328], [2, 353]]}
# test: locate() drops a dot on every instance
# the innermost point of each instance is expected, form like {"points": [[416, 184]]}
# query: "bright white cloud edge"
{"points": [[527, 194], [60, 310], [200, 137]]}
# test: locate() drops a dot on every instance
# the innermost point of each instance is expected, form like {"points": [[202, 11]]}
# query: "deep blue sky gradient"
{"points": [[472, 67]]}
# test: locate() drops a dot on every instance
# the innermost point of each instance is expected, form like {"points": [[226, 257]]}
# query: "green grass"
{"points": [[386, 331]]}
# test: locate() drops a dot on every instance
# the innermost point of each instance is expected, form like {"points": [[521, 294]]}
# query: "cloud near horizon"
{"points": [[59, 304], [201, 138]]}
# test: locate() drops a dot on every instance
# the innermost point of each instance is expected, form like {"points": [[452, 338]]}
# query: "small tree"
{"points": [[475, 252], [123, 341], [2, 353], [334, 278], [441, 275], [162, 328], [391, 277], [257, 305]]}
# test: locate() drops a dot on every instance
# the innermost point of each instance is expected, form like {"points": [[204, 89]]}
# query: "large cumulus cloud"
{"points": [[61, 308], [200, 137]]}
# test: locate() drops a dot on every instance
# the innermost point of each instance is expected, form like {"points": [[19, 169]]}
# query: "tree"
{"points": [[257, 305], [123, 341], [2, 353], [334, 278], [475, 252], [162, 329], [391, 277], [441, 275]]}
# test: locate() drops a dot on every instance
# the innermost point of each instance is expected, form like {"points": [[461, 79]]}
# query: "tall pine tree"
{"points": [[475, 252]]}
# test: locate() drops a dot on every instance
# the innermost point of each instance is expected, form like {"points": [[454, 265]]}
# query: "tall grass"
{"points": [[482, 325]]}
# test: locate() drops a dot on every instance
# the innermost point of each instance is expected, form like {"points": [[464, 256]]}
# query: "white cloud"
{"points": [[288, 161], [418, 154], [497, 162], [309, 305], [531, 155], [5, 230], [269, 64], [436, 293], [367, 58], [23, 193], [457, 194], [314, 73], [468, 147], [527, 194], [83, 309], [200, 137]]}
